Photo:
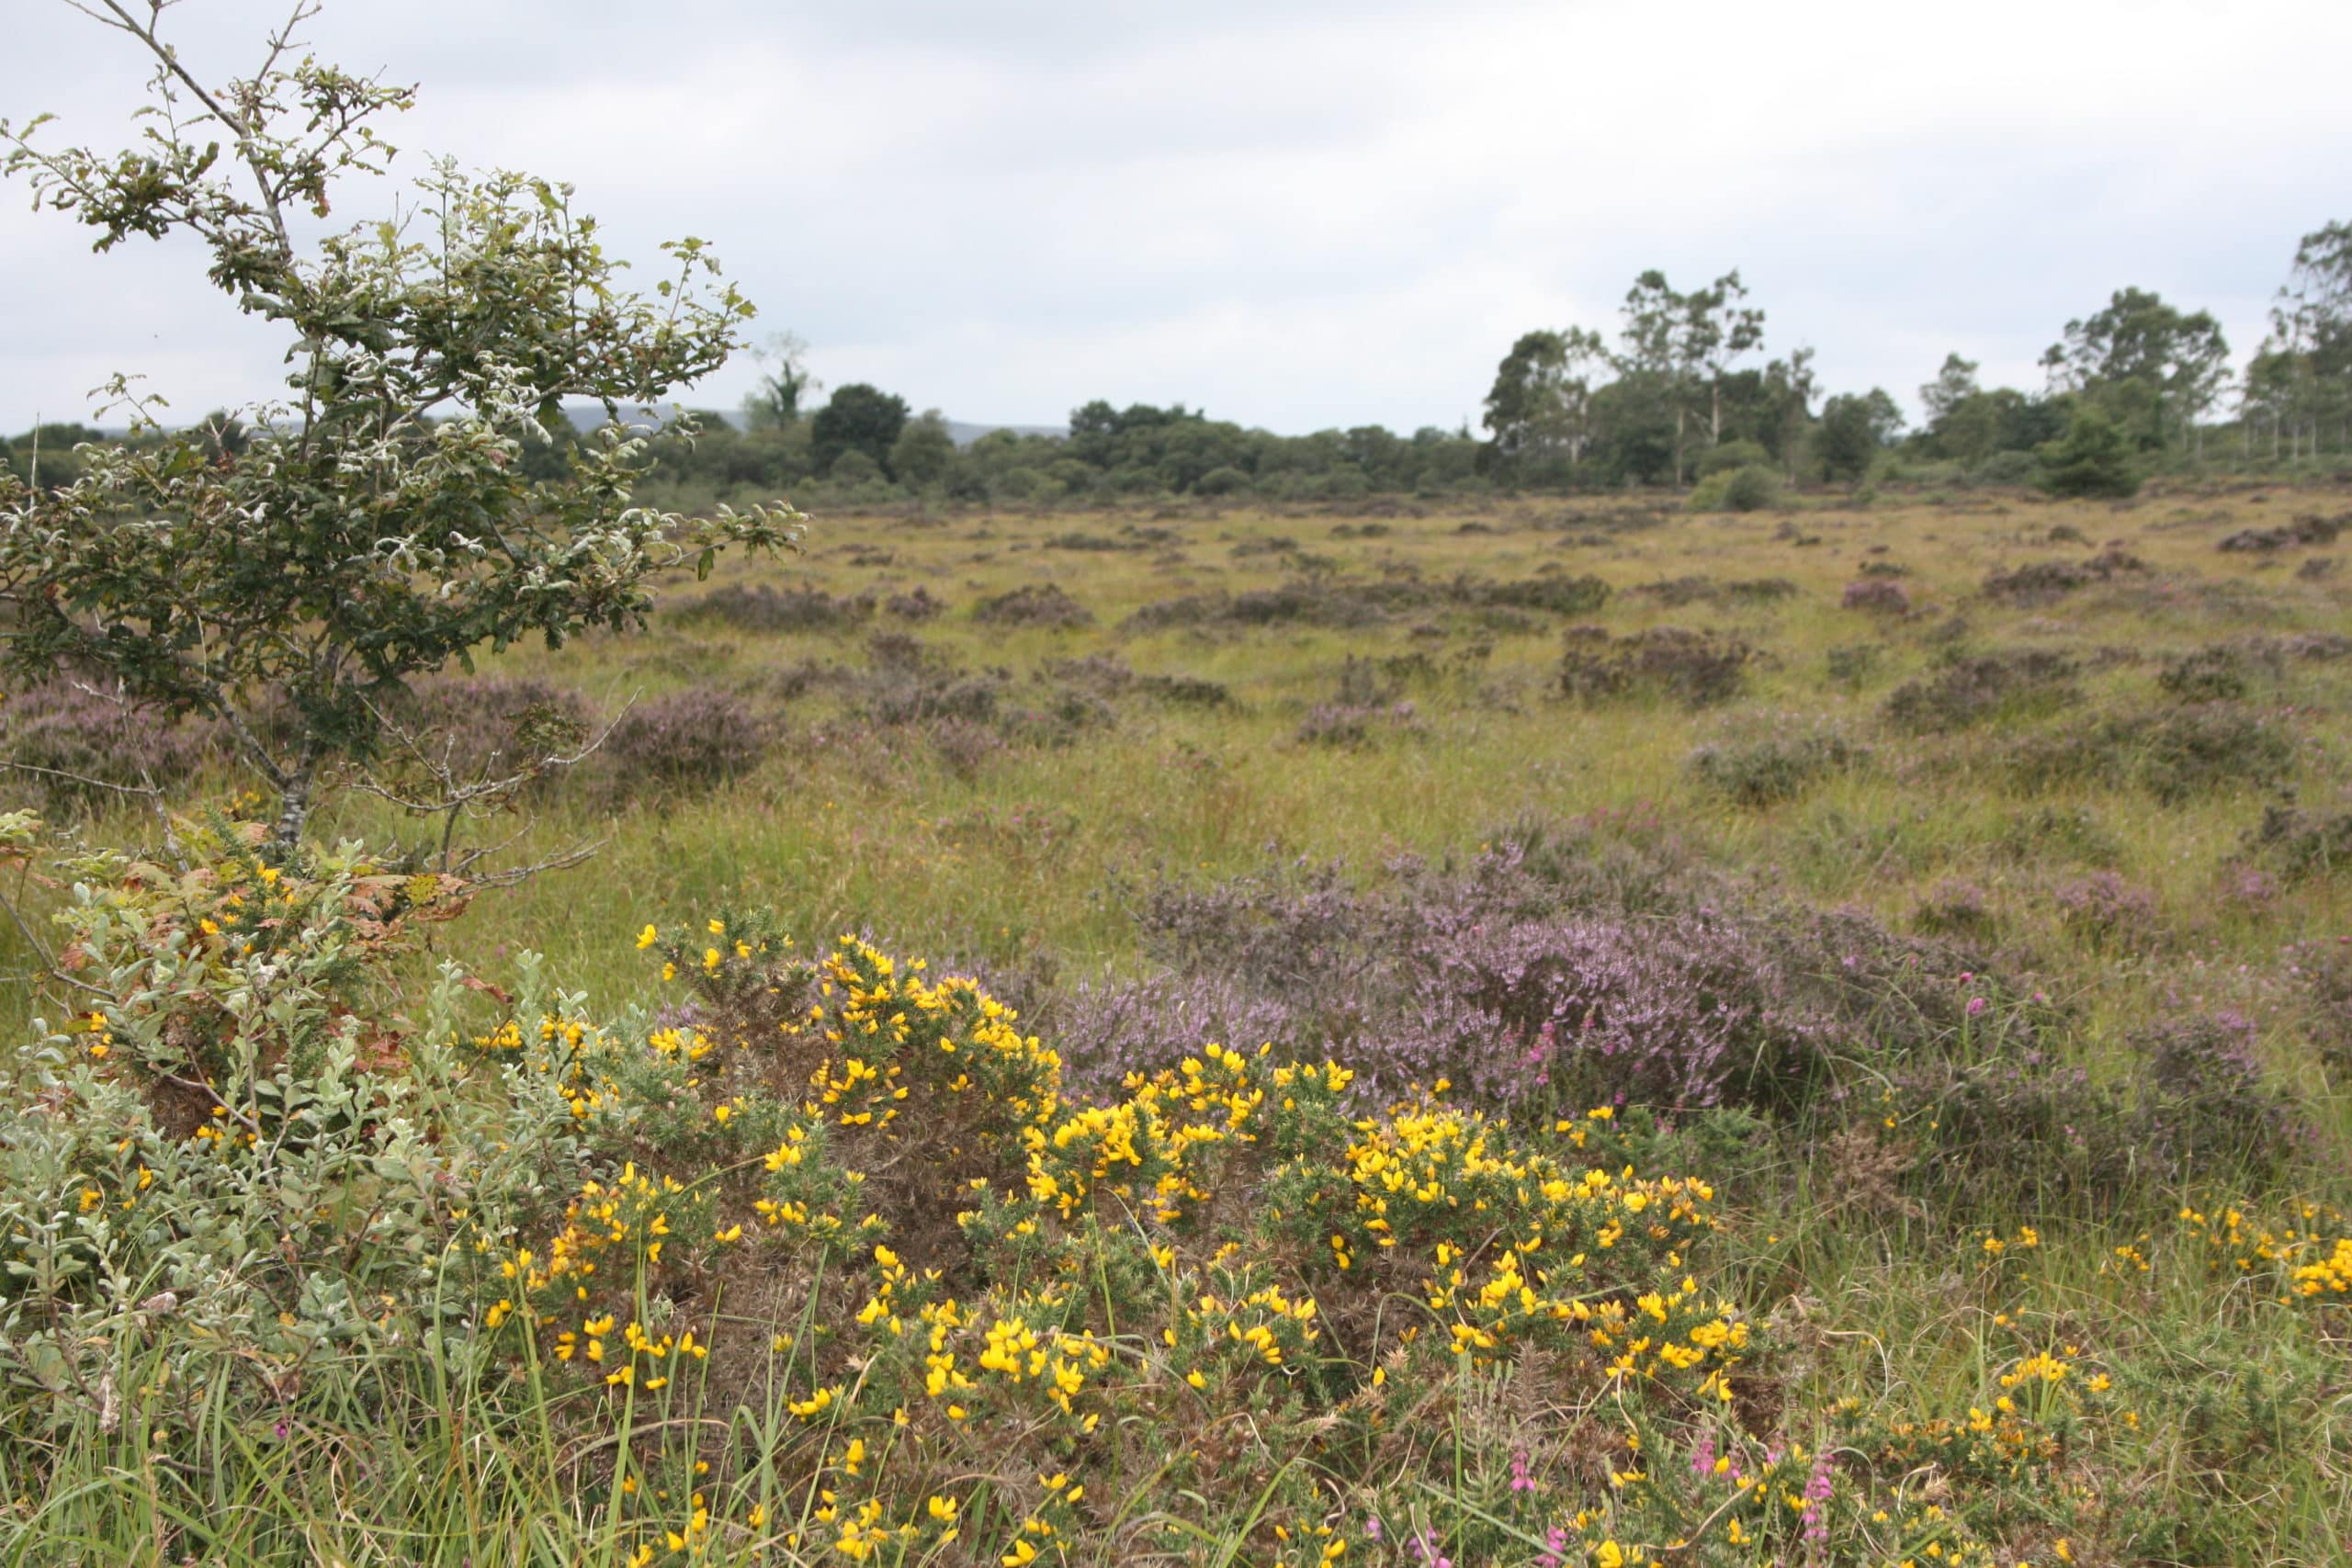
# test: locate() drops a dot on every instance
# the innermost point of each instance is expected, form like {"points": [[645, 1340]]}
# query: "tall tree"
{"points": [[1538, 412], [2155, 369], [1720, 330], [2311, 334], [775, 401], [1657, 351], [1788, 391]]}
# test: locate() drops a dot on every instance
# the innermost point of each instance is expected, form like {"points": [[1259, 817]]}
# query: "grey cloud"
{"points": [[1301, 215]]}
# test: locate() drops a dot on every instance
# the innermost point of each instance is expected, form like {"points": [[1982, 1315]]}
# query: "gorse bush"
{"points": [[947, 1258]]}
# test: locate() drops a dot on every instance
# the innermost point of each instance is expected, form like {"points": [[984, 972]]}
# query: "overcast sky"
{"points": [[1297, 213]]}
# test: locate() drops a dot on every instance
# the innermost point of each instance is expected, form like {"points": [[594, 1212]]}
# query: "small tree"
{"points": [[2093, 459], [380, 522]]}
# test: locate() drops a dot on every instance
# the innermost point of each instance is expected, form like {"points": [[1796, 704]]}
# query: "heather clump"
{"points": [[1877, 595], [689, 740], [2203, 1105], [2176, 755], [1768, 770], [1969, 689], [2302, 843], [1046, 604], [1695, 668], [2107, 911], [1531, 973], [74, 746], [764, 609]]}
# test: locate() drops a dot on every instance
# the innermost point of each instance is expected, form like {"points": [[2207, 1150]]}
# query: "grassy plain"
{"points": [[2092, 826]]}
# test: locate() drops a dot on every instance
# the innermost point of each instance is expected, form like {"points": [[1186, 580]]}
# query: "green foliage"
{"points": [[1853, 431], [382, 521], [2093, 458], [1751, 488], [857, 417], [923, 451]]}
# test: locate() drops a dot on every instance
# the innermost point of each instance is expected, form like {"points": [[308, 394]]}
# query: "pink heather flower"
{"points": [[1817, 1487], [1520, 1480], [1556, 1548], [1702, 1456], [1372, 1527], [1976, 1006]]}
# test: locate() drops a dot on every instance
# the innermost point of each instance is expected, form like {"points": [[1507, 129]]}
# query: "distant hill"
{"points": [[585, 417], [965, 434]]}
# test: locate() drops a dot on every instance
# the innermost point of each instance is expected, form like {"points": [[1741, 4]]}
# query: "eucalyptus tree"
{"points": [[1539, 411], [1683, 342], [2154, 368], [378, 521]]}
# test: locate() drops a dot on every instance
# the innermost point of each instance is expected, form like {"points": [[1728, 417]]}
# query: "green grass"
{"points": [[2236, 1448]]}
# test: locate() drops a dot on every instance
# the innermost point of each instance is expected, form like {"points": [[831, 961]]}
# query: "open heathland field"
{"points": [[1495, 1031]]}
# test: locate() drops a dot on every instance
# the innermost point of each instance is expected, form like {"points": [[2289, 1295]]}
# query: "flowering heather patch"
{"points": [[1878, 595], [696, 738], [74, 747]]}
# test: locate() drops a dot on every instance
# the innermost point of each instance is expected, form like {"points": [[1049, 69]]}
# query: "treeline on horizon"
{"points": [[2137, 388]]}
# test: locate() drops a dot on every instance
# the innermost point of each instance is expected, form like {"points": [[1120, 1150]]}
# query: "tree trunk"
{"points": [[294, 800]]}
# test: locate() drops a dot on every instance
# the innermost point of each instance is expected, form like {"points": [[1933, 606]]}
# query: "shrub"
{"points": [[1954, 908], [1354, 724], [1968, 690], [488, 722], [1763, 772], [2038, 582], [1034, 604], [1222, 481], [767, 609], [1851, 664], [2215, 673], [1185, 690], [1749, 489], [2202, 1102], [1696, 669], [2303, 843], [916, 604], [692, 740], [1877, 594], [2093, 459], [2175, 755], [2105, 910]]}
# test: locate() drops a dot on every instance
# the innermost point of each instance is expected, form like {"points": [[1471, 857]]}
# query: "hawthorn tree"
{"points": [[377, 523]]}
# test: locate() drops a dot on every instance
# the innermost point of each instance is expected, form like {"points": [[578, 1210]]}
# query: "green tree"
{"points": [[1538, 414], [2307, 362], [379, 523], [775, 403], [2093, 459], [923, 451], [857, 417], [1721, 329], [1854, 429], [1787, 396], [2153, 368]]}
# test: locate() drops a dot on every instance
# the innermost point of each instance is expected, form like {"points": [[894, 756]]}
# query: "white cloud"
{"points": [[1300, 214]]}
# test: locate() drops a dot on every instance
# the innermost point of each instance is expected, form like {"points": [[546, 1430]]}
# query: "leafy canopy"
{"points": [[379, 521]]}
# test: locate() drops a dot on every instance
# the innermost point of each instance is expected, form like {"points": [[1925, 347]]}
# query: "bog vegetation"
{"points": [[1249, 1023]]}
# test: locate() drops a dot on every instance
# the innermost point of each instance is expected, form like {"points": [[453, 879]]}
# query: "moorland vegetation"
{"points": [[1464, 1027]]}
